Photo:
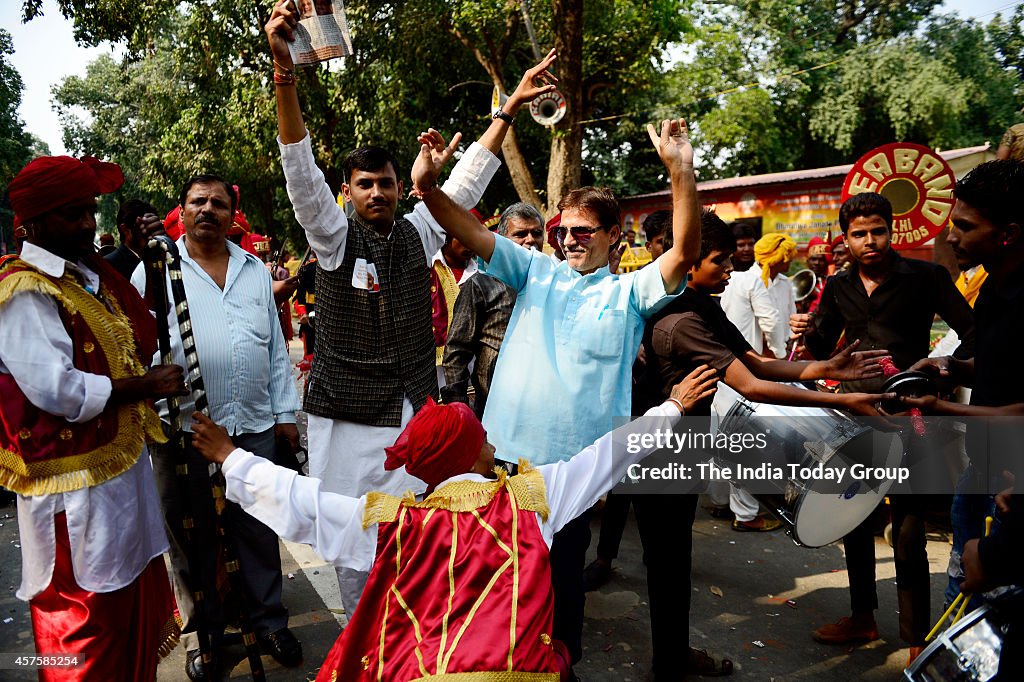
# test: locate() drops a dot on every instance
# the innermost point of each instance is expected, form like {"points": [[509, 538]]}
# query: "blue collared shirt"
{"points": [[242, 353], [563, 373]]}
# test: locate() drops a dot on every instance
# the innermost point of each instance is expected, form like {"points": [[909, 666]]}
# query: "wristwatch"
{"points": [[504, 117]]}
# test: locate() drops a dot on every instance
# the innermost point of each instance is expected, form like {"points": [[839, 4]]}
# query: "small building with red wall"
{"points": [[801, 204]]}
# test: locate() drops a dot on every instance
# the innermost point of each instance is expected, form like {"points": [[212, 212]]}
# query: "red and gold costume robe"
{"points": [[460, 589]]}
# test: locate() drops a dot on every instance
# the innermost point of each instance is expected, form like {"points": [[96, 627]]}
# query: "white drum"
{"points": [[816, 511]]}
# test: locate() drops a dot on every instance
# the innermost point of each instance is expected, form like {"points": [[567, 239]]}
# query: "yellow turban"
{"points": [[772, 249]]}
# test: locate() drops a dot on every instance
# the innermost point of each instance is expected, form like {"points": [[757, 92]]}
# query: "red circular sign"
{"points": [[916, 180]]}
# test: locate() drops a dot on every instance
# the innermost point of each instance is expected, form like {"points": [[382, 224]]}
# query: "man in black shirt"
{"points": [[887, 301], [690, 333], [136, 222], [986, 229]]}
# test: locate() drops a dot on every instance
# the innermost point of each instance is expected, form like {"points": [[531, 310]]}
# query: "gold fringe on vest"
{"points": [[465, 496], [498, 676], [136, 422]]}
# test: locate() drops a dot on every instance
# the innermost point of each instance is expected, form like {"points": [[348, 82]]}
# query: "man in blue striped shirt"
{"points": [[247, 375]]}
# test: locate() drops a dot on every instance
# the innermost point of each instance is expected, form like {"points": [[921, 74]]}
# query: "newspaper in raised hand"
{"points": [[322, 32]]}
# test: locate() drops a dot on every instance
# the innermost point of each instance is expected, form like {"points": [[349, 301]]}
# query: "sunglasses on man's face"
{"points": [[582, 233]]}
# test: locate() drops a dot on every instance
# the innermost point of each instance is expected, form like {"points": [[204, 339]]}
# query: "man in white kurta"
{"points": [[347, 437], [761, 312]]}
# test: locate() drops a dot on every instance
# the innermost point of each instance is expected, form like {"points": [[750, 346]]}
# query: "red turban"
{"points": [[837, 241], [550, 227], [819, 247], [173, 225], [50, 182], [441, 441]]}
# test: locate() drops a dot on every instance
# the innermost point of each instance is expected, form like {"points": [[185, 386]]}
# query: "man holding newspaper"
{"points": [[375, 351]]}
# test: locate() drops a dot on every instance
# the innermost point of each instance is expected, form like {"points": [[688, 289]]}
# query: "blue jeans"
{"points": [[967, 516]]}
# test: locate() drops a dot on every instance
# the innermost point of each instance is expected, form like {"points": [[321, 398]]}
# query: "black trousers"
{"points": [[911, 561], [668, 556], [256, 546], [613, 523], [568, 556]]}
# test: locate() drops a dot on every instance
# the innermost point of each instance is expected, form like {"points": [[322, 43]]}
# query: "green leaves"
{"points": [[767, 85]]}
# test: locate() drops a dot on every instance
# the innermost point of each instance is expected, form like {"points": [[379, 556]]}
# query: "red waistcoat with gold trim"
{"points": [[41, 453], [461, 584]]}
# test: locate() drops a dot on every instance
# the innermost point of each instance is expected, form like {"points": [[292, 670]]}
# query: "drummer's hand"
{"points": [[866, 404], [211, 440], [800, 323], [936, 367], [925, 403], [698, 385], [851, 364], [975, 579]]}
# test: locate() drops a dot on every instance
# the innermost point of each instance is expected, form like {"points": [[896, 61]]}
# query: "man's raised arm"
{"points": [[574, 486], [279, 30], [314, 203], [673, 146], [434, 154]]}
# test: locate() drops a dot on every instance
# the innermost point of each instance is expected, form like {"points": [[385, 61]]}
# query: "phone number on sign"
{"points": [[36, 661]]}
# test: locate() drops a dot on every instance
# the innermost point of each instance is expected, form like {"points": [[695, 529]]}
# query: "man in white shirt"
{"points": [[375, 354], [759, 302], [489, 529], [75, 340], [247, 375]]}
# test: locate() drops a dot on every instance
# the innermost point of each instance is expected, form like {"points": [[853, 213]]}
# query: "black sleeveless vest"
{"points": [[373, 347]]}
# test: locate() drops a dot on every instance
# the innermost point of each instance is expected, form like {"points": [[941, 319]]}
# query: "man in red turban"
{"points": [[441, 441], [75, 339], [460, 581], [840, 254]]}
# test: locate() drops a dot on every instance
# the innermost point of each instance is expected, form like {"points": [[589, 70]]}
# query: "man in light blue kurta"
{"points": [[563, 372]]}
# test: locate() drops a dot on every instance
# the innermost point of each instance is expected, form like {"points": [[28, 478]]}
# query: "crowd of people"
{"points": [[464, 386]]}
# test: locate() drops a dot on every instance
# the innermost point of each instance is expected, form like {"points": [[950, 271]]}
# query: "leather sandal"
{"points": [[700, 662]]}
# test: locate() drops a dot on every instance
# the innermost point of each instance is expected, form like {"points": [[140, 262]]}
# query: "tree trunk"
{"points": [[522, 180], [520, 171], [567, 143]]}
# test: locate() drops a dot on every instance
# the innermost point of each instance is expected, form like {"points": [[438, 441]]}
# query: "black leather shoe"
{"points": [[283, 646], [596, 574], [195, 669]]}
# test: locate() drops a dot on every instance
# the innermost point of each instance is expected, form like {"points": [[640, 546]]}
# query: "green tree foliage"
{"points": [[945, 89], [768, 85], [17, 147], [825, 82], [194, 93]]}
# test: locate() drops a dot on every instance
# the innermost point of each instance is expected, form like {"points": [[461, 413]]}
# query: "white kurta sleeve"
{"points": [[573, 486], [464, 186], [36, 350], [315, 207], [296, 509]]}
